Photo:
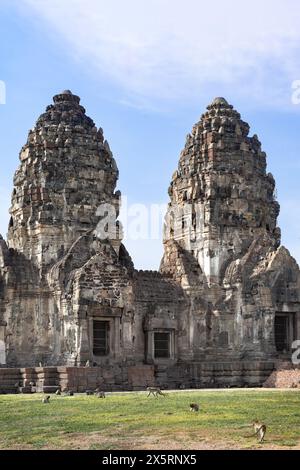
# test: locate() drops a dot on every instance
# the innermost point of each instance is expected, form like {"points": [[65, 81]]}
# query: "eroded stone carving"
{"points": [[225, 290]]}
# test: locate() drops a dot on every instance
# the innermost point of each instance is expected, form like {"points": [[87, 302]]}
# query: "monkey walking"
{"points": [[155, 391], [260, 430], [194, 407], [100, 394], [58, 392], [46, 399]]}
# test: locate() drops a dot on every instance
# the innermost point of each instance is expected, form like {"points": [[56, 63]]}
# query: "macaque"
{"points": [[155, 391], [260, 430], [194, 407], [46, 399]]}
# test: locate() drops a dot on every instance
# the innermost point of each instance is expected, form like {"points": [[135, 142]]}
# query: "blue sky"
{"points": [[145, 71]]}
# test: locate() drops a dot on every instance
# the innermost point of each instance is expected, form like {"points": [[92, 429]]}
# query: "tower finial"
{"points": [[66, 96], [219, 101]]}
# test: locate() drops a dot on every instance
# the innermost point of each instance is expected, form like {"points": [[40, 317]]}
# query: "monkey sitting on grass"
{"points": [[194, 407], [46, 399]]}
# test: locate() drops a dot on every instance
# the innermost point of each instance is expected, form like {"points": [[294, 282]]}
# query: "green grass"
{"points": [[129, 421]]}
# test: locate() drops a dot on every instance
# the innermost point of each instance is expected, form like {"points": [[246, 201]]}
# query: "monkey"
{"points": [[89, 392], [260, 430], [155, 391], [32, 386], [100, 394], [46, 399], [58, 392], [194, 407]]}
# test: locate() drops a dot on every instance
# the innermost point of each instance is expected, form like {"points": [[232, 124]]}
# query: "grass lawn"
{"points": [[133, 421]]}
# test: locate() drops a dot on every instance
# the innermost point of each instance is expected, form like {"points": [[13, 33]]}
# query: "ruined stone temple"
{"points": [[225, 304]]}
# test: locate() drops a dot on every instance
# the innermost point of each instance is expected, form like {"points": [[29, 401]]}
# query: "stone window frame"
{"points": [[107, 329], [167, 340], [113, 337], [151, 345], [291, 329]]}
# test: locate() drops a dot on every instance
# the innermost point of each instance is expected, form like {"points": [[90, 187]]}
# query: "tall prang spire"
{"points": [[221, 196], [67, 170]]}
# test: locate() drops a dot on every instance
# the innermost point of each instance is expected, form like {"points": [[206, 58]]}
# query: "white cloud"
{"points": [[170, 49]]}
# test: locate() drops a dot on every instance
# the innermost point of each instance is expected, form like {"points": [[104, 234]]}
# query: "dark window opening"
{"points": [[282, 333], [100, 338], [161, 345]]}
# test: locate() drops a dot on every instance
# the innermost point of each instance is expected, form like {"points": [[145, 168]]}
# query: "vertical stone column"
{"points": [[150, 347], [84, 351], [117, 351], [2, 344], [297, 326]]}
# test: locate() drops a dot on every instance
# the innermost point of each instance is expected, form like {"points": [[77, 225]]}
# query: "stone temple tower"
{"points": [[221, 197], [222, 243], [67, 170], [226, 298]]}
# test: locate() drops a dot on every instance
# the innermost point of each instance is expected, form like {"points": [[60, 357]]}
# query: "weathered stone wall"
{"points": [[67, 170], [222, 180], [135, 377], [222, 243], [223, 279]]}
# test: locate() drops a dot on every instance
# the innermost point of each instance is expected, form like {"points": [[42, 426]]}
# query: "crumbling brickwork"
{"points": [[223, 246], [227, 292]]}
